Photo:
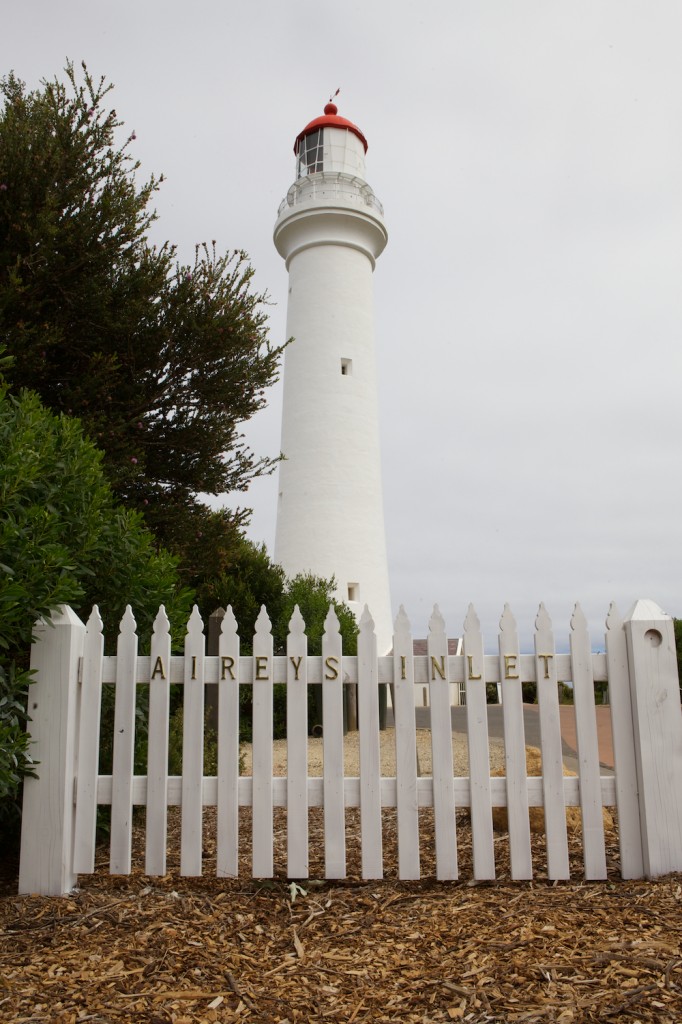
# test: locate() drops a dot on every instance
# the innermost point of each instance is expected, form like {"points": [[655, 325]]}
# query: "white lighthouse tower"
{"points": [[330, 230]]}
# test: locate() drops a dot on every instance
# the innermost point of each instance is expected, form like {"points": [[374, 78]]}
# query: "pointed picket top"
{"points": [[436, 623], [366, 621], [614, 620], [401, 626], [263, 624], [94, 623], [128, 626], [296, 623], [578, 620], [195, 626], [646, 610], [229, 625], [331, 624], [543, 623], [161, 623], [507, 622], [472, 623]]}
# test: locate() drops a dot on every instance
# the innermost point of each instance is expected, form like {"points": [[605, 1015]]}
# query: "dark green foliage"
{"points": [[313, 595], [63, 539], [678, 646], [248, 580], [161, 362]]}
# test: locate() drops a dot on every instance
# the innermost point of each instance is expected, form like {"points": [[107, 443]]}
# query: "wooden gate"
{"points": [[60, 806]]}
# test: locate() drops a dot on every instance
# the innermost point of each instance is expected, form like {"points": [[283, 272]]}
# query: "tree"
{"points": [[161, 362], [314, 595], [63, 539], [249, 580]]}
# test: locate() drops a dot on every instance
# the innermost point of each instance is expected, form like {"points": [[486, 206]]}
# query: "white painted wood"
{"points": [[479, 755], [406, 749], [87, 761], [629, 830], [441, 748], [551, 748], [262, 854], [498, 791], [370, 759], [333, 760], [297, 748], [120, 848], [641, 670], [47, 825], [157, 750], [657, 722], [514, 748], [192, 748], [421, 669], [594, 851], [227, 852]]}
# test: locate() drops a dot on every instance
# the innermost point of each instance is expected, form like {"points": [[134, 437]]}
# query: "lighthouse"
{"points": [[330, 231]]}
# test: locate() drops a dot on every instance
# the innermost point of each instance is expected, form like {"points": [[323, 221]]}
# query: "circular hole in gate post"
{"points": [[654, 637]]}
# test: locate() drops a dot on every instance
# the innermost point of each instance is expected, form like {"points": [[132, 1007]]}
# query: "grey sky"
{"points": [[528, 306]]}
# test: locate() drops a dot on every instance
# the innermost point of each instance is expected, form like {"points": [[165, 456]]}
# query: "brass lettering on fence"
{"points": [[402, 667], [509, 666], [227, 666], [194, 666], [261, 666], [545, 658], [470, 663], [332, 670], [296, 662], [159, 670], [439, 668]]}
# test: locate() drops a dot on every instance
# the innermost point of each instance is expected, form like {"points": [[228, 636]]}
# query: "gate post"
{"points": [[46, 865], [657, 724]]}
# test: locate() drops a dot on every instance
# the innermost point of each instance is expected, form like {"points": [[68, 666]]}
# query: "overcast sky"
{"points": [[529, 303]]}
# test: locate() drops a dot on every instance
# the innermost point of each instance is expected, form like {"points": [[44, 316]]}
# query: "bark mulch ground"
{"points": [[186, 950]]}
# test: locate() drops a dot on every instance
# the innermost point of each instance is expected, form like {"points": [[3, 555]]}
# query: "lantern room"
{"points": [[330, 143]]}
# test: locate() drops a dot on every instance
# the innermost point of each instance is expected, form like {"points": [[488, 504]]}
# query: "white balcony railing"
{"points": [[333, 187]]}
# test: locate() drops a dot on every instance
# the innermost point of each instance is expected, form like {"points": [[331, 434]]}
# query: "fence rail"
{"points": [[60, 807]]}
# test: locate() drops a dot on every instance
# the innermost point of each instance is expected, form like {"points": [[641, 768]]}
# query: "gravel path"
{"points": [[387, 736]]}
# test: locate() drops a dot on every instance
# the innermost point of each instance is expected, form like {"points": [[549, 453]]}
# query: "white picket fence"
{"points": [[60, 806]]}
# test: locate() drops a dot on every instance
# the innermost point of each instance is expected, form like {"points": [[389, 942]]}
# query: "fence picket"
{"points": [[124, 747], [297, 748], [192, 748], [227, 849], [594, 852], [370, 761], [157, 753], [332, 739], [514, 749], [88, 746], [625, 764], [551, 748], [406, 749], [479, 753], [441, 749], [262, 853]]}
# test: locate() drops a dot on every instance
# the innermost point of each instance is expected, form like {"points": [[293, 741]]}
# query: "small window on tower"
{"points": [[346, 367], [310, 152], [353, 592]]}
